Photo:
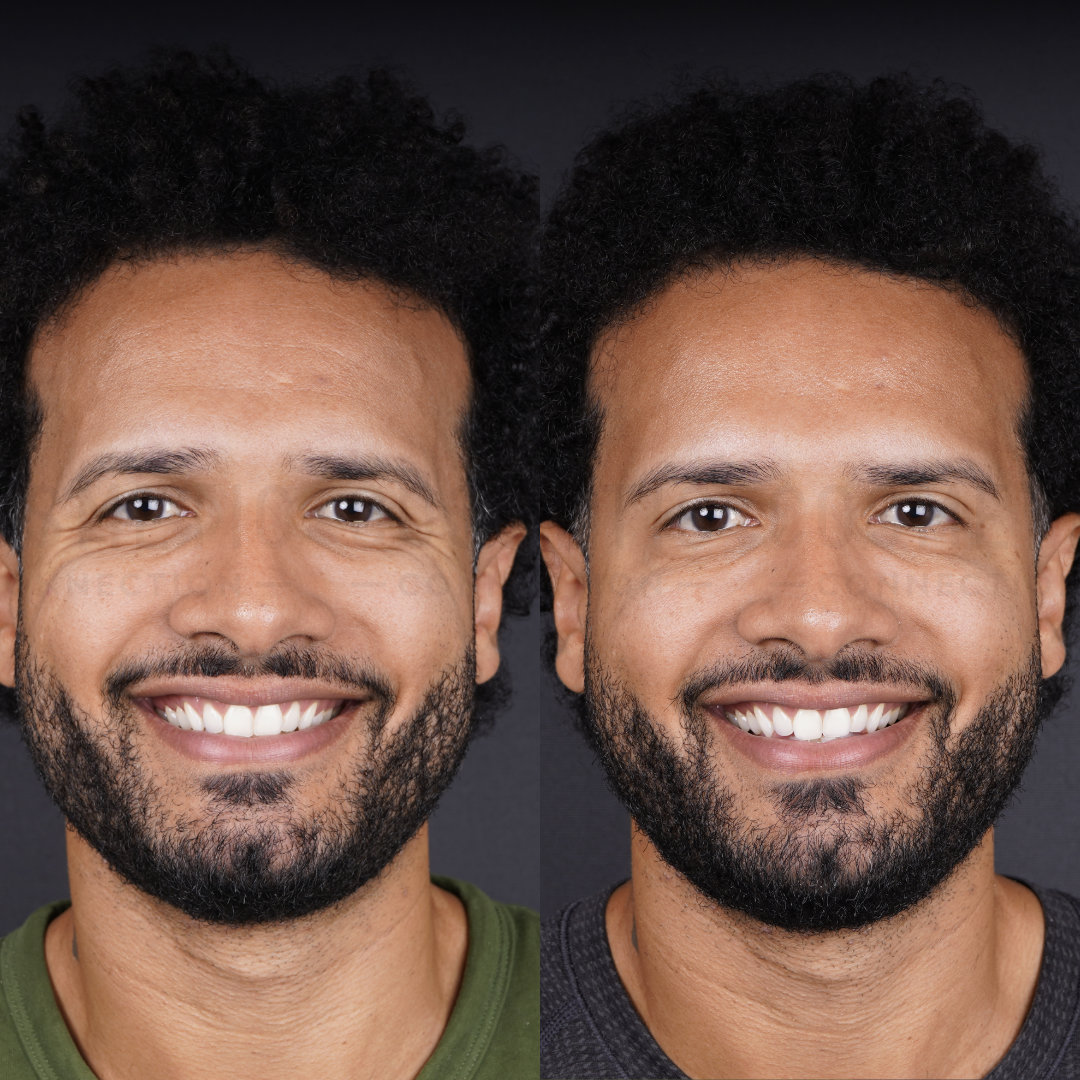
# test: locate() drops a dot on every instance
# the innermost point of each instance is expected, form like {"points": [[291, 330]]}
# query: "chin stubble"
{"points": [[831, 863], [252, 856]]}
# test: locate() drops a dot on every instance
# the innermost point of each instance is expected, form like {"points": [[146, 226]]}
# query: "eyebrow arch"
{"points": [[131, 462], [917, 473], [714, 472], [368, 467]]}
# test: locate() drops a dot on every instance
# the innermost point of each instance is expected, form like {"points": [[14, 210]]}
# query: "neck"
{"points": [[941, 990], [363, 989]]}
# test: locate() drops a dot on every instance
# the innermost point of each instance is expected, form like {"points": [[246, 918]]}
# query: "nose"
{"points": [[818, 593], [251, 590]]}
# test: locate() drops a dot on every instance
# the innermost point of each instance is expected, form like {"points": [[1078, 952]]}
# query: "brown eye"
{"points": [[352, 511], [710, 517], [917, 513], [145, 508]]}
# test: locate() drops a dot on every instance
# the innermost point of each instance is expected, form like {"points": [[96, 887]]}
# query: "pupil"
{"points": [[711, 518], [353, 509], [145, 509], [916, 513]]}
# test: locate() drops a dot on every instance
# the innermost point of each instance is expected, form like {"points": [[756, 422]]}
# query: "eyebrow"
{"points": [[737, 473], [916, 473], [719, 472], [132, 462], [368, 467]]}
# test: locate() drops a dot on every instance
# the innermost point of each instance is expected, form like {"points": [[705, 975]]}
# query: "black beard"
{"points": [[251, 858], [834, 866]]}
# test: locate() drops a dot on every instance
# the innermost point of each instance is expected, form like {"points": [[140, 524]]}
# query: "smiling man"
{"points": [[262, 510], [811, 357]]}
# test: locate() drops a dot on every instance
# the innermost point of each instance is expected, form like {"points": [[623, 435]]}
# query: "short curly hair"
{"points": [[890, 175], [355, 176]]}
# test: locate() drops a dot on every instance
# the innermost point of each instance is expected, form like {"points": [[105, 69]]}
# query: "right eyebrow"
{"points": [[712, 472], [157, 462]]}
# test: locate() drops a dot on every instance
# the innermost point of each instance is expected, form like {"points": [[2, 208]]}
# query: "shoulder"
{"points": [[577, 983], [32, 1030], [1048, 1044], [493, 1029]]}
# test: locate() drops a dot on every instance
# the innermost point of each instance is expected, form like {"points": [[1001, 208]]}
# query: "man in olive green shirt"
{"points": [[258, 358]]}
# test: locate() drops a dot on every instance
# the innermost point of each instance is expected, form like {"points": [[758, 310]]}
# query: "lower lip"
{"points": [[791, 755], [258, 750]]}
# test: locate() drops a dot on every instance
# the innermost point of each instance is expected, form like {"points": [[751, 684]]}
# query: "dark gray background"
{"points": [[541, 79]]}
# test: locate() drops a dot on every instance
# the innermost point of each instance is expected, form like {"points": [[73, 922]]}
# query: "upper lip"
{"points": [[803, 696], [233, 691]]}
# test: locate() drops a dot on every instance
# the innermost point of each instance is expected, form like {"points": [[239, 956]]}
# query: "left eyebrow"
{"points": [[368, 467], [917, 473]]}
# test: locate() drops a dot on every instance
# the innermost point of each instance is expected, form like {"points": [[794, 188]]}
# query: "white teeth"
{"points": [[291, 718], [763, 720], [268, 720], [812, 725], [836, 723], [873, 721], [246, 721], [239, 721], [807, 724], [212, 720], [781, 722]]}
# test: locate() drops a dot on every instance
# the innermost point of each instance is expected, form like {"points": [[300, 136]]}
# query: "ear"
{"points": [[1055, 559], [493, 566], [570, 587], [9, 612]]}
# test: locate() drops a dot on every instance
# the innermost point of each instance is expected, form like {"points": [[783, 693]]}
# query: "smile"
{"points": [[191, 713], [815, 725]]}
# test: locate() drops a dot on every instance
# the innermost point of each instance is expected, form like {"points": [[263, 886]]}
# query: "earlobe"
{"points": [[493, 566], [9, 612], [565, 563], [1056, 554]]}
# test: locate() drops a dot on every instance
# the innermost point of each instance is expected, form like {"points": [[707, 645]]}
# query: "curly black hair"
{"points": [[890, 176], [356, 176]]}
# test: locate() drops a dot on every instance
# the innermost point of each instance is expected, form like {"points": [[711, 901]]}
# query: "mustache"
{"points": [[353, 678], [849, 665]]}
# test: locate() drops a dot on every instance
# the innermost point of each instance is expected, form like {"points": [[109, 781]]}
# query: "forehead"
{"points": [[805, 360], [210, 346]]}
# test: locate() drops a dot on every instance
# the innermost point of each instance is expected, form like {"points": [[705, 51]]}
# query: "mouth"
{"points": [[772, 721], [191, 713]]}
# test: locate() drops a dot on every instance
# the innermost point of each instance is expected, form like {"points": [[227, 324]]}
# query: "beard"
{"points": [[253, 855], [829, 863]]}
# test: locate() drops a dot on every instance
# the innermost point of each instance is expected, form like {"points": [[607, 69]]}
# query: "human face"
{"points": [[249, 491], [809, 498]]}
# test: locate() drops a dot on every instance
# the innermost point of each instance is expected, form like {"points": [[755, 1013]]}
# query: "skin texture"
{"points": [[820, 370], [259, 362]]}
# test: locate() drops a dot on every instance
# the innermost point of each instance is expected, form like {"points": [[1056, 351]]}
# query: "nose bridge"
{"points": [[253, 588], [818, 593]]}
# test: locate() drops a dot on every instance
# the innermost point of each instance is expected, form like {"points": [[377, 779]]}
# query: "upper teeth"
{"points": [[198, 714], [814, 725]]}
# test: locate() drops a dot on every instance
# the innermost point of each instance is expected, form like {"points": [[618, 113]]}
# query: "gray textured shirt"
{"points": [[589, 1029]]}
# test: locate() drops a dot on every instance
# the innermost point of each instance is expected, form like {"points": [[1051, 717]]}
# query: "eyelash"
{"points": [[682, 511], [109, 512]]}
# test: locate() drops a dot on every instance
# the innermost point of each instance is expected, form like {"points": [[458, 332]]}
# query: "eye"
{"points": [[710, 517], [352, 511], [145, 507], [916, 513]]}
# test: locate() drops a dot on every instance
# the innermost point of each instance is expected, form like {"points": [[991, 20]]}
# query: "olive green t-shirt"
{"points": [[492, 1033]]}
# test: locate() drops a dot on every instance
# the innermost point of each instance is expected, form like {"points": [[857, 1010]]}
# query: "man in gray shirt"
{"points": [[812, 398]]}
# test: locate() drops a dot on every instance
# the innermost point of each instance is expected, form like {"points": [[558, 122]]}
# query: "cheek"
{"points": [[656, 628]]}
